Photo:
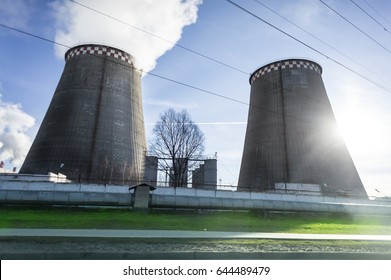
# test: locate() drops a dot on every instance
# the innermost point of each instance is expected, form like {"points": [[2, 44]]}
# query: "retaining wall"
{"points": [[20, 192], [67, 193], [195, 198]]}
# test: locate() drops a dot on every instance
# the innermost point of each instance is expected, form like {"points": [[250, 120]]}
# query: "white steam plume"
{"points": [[164, 18], [14, 142]]}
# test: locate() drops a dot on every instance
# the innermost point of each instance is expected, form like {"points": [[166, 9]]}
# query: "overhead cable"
{"points": [[315, 37], [159, 76], [308, 46], [383, 17], [161, 38], [369, 15], [355, 26]]}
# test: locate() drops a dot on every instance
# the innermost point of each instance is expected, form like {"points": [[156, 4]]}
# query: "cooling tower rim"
{"points": [[74, 48], [281, 61]]}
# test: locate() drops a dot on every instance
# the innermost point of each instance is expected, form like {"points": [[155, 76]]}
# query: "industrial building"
{"points": [[205, 175], [292, 135], [93, 131], [202, 177]]}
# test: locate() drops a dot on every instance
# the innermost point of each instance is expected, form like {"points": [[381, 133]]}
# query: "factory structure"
{"points": [[292, 141], [204, 176], [93, 131]]}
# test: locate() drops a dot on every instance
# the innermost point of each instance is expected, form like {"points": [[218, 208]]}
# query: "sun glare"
{"points": [[367, 138], [363, 134]]}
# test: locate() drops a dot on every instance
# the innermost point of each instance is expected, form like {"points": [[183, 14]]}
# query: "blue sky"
{"points": [[30, 68]]}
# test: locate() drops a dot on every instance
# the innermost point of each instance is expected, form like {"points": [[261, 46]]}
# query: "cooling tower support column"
{"points": [[93, 130], [292, 134]]}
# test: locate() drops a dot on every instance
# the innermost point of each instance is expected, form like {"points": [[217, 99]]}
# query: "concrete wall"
{"points": [[196, 198], [82, 194], [55, 193]]}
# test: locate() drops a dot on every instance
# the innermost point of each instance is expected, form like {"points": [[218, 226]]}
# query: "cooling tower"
{"points": [[93, 130], [292, 134]]}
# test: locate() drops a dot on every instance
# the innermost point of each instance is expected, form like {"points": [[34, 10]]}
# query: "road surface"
{"points": [[84, 244], [108, 233]]}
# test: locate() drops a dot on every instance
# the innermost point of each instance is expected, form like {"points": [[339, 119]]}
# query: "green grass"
{"points": [[248, 221]]}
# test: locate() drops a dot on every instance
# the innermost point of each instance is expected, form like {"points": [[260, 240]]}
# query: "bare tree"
{"points": [[176, 141]]}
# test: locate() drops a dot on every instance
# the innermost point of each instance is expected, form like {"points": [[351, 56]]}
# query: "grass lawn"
{"points": [[248, 221]]}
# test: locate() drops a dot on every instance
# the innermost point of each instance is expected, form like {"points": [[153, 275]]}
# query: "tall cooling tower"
{"points": [[93, 130], [292, 134]]}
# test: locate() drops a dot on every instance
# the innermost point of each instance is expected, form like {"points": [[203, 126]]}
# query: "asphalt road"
{"points": [[82, 244], [107, 233]]}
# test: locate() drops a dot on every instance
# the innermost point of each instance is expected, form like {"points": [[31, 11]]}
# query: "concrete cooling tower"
{"points": [[292, 134], [94, 129]]}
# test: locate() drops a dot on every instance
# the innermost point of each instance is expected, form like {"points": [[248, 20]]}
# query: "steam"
{"points": [[164, 18], [14, 142]]}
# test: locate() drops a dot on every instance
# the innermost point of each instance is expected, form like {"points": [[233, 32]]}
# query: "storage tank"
{"points": [[292, 134], [94, 129]]}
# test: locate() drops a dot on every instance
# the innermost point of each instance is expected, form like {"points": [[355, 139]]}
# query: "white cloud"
{"points": [[14, 123], [14, 12], [77, 25]]}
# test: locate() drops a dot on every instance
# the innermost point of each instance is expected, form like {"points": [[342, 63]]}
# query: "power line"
{"points": [[175, 44], [236, 100], [308, 46], [161, 38], [146, 72], [225, 64], [369, 15], [229, 171], [379, 14], [33, 35], [273, 26], [355, 26], [197, 88], [169, 79], [197, 53], [315, 37], [220, 62], [166, 78]]}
